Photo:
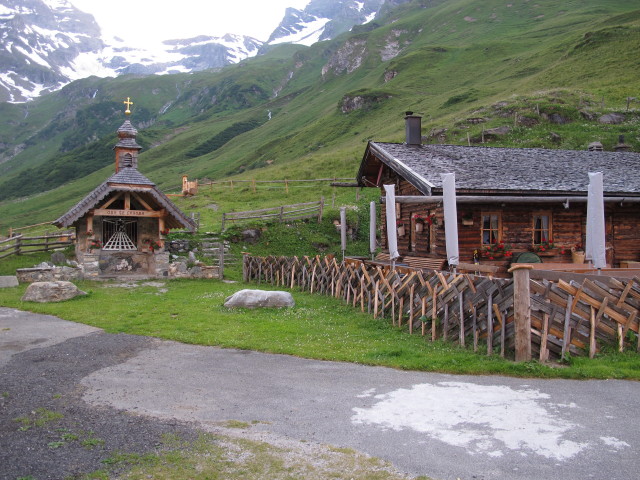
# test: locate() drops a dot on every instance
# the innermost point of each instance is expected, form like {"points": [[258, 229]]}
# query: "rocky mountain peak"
{"points": [[45, 44]]}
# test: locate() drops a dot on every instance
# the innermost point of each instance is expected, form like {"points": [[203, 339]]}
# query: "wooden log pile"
{"points": [[467, 309]]}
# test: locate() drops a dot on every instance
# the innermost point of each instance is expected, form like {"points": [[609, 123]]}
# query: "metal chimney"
{"points": [[413, 129], [621, 146]]}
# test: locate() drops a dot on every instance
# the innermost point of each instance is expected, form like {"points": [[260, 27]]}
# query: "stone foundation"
{"points": [[101, 264], [49, 274]]}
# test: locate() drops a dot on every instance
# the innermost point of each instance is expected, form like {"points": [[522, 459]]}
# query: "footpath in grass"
{"points": [[318, 327]]}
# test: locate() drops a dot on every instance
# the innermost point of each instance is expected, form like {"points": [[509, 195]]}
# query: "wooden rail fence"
{"points": [[283, 213], [20, 244], [471, 310], [286, 183]]}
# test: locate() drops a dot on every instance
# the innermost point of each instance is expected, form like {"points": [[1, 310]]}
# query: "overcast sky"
{"points": [[147, 22]]}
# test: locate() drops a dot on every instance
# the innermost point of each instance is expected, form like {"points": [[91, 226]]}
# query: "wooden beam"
{"points": [[522, 311], [139, 199], [111, 200], [379, 174], [128, 213], [435, 199]]}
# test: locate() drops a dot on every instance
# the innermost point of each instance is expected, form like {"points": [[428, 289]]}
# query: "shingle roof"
{"points": [[130, 176], [509, 170], [135, 182]]}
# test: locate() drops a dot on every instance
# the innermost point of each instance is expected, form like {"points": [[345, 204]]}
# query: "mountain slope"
{"points": [[466, 66]]}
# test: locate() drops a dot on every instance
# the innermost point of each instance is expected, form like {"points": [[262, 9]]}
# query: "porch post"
{"points": [[522, 311]]}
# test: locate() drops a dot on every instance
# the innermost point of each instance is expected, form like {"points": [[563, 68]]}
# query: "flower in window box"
{"points": [[89, 233], [497, 250], [95, 245], [428, 219], [164, 231], [542, 247]]}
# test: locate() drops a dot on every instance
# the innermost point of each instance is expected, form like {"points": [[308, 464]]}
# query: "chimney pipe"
{"points": [[621, 146], [413, 129]]}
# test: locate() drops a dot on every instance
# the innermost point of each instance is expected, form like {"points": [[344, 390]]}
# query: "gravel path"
{"points": [[45, 379]]}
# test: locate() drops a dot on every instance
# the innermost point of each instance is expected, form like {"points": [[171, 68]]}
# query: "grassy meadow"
{"points": [[318, 327]]}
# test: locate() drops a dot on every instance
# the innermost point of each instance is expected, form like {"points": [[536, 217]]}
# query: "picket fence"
{"points": [[471, 310]]}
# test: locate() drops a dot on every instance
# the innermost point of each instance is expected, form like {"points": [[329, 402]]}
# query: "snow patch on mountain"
{"points": [[306, 33]]}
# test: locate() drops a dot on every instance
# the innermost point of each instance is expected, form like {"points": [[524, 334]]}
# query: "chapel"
{"points": [[122, 224]]}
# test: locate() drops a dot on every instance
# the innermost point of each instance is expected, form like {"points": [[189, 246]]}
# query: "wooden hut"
{"points": [[121, 225], [509, 200]]}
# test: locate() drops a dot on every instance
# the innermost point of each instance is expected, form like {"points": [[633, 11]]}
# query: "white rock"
{"points": [[259, 298]]}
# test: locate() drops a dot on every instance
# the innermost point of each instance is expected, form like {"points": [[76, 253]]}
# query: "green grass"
{"points": [[192, 312], [38, 418], [230, 458]]}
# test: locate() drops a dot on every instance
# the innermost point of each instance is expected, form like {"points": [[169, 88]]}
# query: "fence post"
{"points": [[281, 214], [321, 209], [221, 260], [18, 244], [223, 219], [522, 311]]}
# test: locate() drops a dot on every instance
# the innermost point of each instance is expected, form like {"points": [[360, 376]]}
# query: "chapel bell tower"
{"points": [[127, 149]]}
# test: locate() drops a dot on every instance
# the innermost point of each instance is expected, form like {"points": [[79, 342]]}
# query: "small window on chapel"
{"points": [[491, 229], [127, 160], [542, 228]]}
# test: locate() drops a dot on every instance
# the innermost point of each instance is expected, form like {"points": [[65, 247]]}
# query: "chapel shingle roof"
{"points": [[509, 170], [131, 180]]}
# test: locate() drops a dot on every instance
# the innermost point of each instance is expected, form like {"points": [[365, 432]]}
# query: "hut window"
{"points": [[127, 160], [542, 228], [491, 229]]}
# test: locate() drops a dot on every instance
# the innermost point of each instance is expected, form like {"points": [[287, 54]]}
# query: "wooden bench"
{"points": [[425, 263], [383, 257], [415, 263]]}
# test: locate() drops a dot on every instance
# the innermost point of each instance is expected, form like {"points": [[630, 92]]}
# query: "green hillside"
{"points": [[547, 70]]}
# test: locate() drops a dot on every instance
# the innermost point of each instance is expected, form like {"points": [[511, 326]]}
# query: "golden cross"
{"points": [[128, 103]]}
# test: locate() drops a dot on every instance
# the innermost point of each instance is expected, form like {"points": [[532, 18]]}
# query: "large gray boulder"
{"points": [[43, 292], [259, 298]]}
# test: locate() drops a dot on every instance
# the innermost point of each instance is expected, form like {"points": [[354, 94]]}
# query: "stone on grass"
{"points": [[58, 258], [44, 292], [612, 119], [8, 281], [259, 298]]}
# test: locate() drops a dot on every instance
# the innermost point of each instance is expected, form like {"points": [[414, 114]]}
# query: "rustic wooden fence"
{"points": [[20, 244], [285, 183], [468, 309], [284, 213]]}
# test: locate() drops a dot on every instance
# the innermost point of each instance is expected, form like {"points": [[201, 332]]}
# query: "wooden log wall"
{"points": [[473, 311], [568, 227]]}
